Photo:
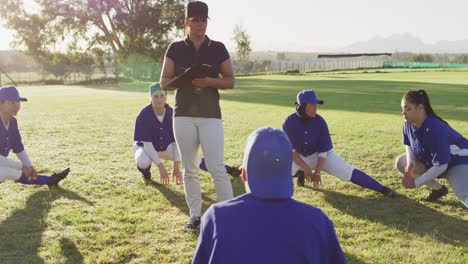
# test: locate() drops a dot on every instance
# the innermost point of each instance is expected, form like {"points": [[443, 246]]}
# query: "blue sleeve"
{"points": [[335, 252], [223, 53], [405, 138], [287, 128], [439, 148], [17, 143], [141, 132], [325, 139], [205, 238], [170, 52]]}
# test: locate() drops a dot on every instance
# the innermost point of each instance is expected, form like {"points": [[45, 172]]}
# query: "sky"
{"points": [[312, 25]]}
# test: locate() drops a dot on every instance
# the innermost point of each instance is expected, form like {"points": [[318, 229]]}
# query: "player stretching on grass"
{"points": [[154, 139], [433, 150], [10, 139], [313, 148]]}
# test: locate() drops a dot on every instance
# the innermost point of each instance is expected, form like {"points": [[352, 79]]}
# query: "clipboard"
{"points": [[184, 80]]}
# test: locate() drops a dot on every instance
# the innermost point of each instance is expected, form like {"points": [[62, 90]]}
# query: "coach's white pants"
{"points": [[7, 173], [143, 160], [190, 133], [333, 165], [457, 176]]}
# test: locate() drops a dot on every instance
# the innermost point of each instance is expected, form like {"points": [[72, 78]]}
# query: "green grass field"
{"points": [[105, 214]]}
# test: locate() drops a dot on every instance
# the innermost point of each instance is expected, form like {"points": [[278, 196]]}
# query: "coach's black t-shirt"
{"points": [[189, 101]]}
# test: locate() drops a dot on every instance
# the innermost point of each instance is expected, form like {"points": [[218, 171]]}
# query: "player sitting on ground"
{"points": [[10, 139], [154, 139]]}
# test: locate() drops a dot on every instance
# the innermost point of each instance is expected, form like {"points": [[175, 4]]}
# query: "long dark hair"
{"points": [[420, 97]]}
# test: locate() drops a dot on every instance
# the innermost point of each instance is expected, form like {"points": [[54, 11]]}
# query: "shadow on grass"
{"points": [[402, 213], [177, 199], [21, 233], [352, 259], [371, 96], [70, 251]]}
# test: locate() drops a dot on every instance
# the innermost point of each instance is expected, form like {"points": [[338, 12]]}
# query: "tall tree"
{"points": [[122, 27], [242, 40]]}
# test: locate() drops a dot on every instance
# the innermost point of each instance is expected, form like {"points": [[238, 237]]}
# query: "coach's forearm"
{"points": [[164, 81], [226, 82]]}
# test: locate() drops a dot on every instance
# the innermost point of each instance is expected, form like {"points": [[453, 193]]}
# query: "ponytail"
{"points": [[421, 97]]}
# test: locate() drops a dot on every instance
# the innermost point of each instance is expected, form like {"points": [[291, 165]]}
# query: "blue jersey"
{"points": [[436, 143], [308, 136], [10, 139], [248, 229], [149, 129]]}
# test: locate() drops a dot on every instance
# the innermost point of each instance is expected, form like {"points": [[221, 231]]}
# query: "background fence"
{"points": [[110, 72]]}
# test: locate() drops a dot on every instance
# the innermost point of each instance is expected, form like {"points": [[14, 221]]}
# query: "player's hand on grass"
{"points": [[308, 174], [177, 176], [164, 176], [409, 170], [408, 181], [317, 179]]}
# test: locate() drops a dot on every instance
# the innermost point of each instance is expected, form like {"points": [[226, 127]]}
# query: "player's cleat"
{"points": [[57, 177], [233, 171], [389, 192], [300, 178], [193, 224], [146, 173], [436, 194]]}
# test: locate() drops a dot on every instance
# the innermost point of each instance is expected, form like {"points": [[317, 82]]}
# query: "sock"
{"points": [[203, 165], [40, 180], [360, 178]]}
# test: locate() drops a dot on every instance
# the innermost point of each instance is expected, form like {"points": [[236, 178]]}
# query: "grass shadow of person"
{"points": [[350, 259], [402, 213], [70, 251], [21, 233], [175, 198]]}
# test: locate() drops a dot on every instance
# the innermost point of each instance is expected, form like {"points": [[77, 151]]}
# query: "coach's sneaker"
{"points": [[389, 192], [193, 224], [436, 194], [300, 178], [233, 171], [57, 177]]}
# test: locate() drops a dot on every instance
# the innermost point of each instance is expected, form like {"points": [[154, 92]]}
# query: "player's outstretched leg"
{"points": [[43, 179], [231, 170], [360, 178]]}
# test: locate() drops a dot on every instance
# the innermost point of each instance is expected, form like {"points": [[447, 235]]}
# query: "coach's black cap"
{"points": [[196, 9]]}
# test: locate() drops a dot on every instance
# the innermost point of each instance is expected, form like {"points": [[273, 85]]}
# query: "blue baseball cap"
{"points": [[308, 97], [154, 88], [10, 93], [267, 162]]}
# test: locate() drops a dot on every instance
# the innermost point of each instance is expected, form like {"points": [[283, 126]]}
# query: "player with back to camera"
{"points": [[266, 225]]}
